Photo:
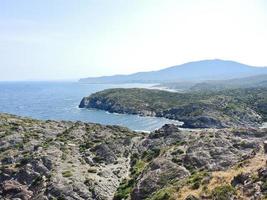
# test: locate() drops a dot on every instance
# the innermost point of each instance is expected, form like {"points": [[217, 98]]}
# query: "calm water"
{"points": [[60, 100]]}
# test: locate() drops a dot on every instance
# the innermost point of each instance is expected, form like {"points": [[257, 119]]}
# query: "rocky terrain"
{"points": [[205, 109], [78, 161], [61, 160]]}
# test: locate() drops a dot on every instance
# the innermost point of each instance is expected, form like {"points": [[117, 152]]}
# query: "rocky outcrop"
{"points": [[62, 160], [170, 158], [224, 109], [14, 189], [77, 161]]}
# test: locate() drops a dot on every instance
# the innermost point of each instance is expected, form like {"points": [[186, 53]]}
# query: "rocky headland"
{"points": [[206, 109]]}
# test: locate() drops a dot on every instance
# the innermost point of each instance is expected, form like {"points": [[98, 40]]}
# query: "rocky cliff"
{"points": [[228, 108]]}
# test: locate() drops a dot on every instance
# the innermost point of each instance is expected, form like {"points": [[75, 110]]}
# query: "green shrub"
{"points": [[98, 159], [124, 189], [151, 154], [67, 173], [177, 152], [164, 194], [224, 192], [177, 161], [86, 145], [138, 168], [196, 180], [264, 186]]}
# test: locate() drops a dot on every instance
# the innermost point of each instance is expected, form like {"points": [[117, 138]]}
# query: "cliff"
{"points": [[205, 109]]}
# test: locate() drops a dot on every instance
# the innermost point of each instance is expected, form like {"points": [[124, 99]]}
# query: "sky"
{"points": [[67, 39]]}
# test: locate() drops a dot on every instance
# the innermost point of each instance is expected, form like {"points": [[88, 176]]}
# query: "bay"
{"points": [[60, 100]]}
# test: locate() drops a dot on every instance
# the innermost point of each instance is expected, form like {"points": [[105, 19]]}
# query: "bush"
{"points": [[177, 152], [197, 179], [151, 154], [67, 173], [177, 161], [138, 168], [224, 192], [124, 190]]}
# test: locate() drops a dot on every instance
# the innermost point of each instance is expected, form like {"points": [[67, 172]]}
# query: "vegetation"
{"points": [[127, 185], [164, 194], [66, 173], [224, 192], [222, 108], [197, 179], [164, 165], [150, 154]]}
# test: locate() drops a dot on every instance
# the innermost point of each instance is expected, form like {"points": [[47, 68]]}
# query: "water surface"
{"points": [[60, 100]]}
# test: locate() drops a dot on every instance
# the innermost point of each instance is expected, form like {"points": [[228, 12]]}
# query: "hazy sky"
{"points": [[58, 39]]}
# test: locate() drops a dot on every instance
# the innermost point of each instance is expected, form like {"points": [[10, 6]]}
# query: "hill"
{"points": [[192, 71], [42, 160], [206, 109], [258, 81], [247, 82]]}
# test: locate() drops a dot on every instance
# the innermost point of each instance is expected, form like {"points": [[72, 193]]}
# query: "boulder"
{"points": [[15, 189]]}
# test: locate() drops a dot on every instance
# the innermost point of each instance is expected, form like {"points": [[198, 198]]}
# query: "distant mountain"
{"points": [[192, 71], [259, 81]]}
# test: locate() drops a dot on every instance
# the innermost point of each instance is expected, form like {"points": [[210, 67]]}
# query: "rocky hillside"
{"points": [[62, 160], [228, 108], [49, 160]]}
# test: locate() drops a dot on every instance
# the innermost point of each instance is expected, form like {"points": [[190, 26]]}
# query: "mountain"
{"points": [[192, 71], [258, 81], [247, 82]]}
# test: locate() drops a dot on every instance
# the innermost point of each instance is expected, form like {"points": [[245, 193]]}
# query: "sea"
{"points": [[60, 100]]}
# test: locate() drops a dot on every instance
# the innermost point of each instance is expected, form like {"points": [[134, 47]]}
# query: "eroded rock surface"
{"points": [[62, 160], [79, 161]]}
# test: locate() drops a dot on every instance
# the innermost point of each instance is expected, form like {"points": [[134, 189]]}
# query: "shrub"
{"points": [[224, 192], [197, 179], [124, 190], [151, 154], [177, 152], [67, 173]]}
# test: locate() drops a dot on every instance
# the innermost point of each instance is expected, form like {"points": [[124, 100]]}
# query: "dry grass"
{"points": [[225, 177]]}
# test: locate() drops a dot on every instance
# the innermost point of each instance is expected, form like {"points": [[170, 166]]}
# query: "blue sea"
{"points": [[60, 100]]}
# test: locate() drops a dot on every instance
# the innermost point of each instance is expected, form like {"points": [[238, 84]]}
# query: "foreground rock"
{"points": [[62, 160], [79, 161]]}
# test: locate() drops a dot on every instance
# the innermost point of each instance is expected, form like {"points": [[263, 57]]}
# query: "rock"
{"points": [[202, 122], [89, 160], [165, 131], [15, 189], [160, 173], [240, 179], [262, 173], [191, 197], [47, 162], [110, 161], [104, 153], [265, 146], [7, 160]]}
